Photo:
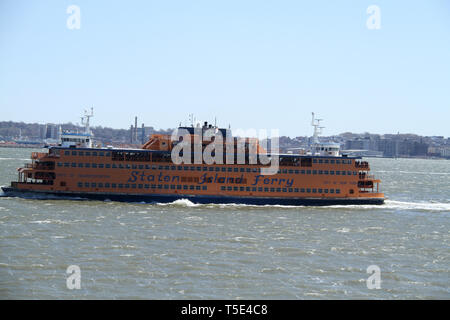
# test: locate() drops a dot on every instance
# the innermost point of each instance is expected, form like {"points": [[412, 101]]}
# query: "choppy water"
{"points": [[187, 251]]}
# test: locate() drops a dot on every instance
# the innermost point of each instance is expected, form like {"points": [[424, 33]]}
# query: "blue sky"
{"points": [[251, 64]]}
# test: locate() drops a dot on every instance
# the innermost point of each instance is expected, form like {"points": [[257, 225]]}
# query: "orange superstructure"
{"points": [[149, 174]]}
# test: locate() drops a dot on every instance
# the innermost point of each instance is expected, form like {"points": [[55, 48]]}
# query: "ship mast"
{"points": [[85, 120], [317, 129]]}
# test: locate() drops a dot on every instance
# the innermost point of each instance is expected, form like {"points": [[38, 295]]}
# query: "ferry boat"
{"points": [[77, 169]]}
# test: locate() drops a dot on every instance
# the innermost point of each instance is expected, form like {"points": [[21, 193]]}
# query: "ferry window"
{"points": [[320, 161], [319, 190], [74, 153], [224, 169], [66, 153], [248, 170], [108, 154], [296, 171], [235, 188], [314, 171], [260, 189], [242, 169], [60, 164], [166, 186], [266, 189], [284, 171], [86, 184], [80, 165], [74, 165], [222, 188], [254, 189], [229, 188], [121, 166], [351, 191], [302, 190], [332, 172], [101, 154], [284, 190], [107, 165], [107, 185], [325, 172], [141, 166], [272, 189], [185, 187], [325, 161], [171, 168], [166, 168], [338, 190], [303, 171], [230, 169], [308, 171], [114, 166], [338, 172], [204, 187], [113, 185], [211, 169], [192, 168], [172, 186], [94, 165], [128, 166], [93, 185], [291, 190], [197, 187], [343, 173], [217, 169], [133, 186], [325, 190], [81, 153], [278, 189], [100, 185], [66, 164], [133, 166], [338, 161], [247, 188], [178, 186], [291, 171], [159, 186], [236, 169], [308, 190], [94, 153], [205, 168], [314, 190], [88, 153], [331, 190], [127, 186], [349, 173], [240, 188], [332, 161], [320, 172], [80, 184], [314, 160], [100, 165]]}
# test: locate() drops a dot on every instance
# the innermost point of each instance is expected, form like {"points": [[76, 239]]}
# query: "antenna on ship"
{"points": [[317, 128], [87, 116]]}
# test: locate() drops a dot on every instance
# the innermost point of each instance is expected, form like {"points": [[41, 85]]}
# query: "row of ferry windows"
{"points": [[211, 169], [108, 154], [194, 187], [87, 153], [139, 186], [296, 190]]}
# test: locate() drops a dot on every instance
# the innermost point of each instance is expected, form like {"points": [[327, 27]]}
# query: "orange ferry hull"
{"points": [[198, 199]]}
